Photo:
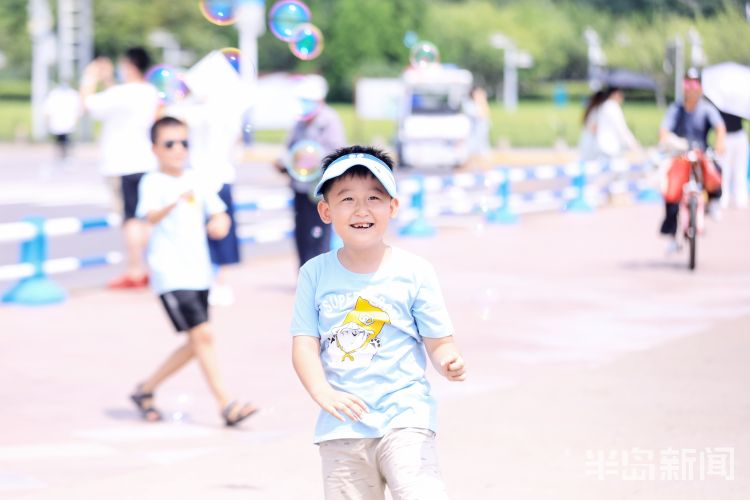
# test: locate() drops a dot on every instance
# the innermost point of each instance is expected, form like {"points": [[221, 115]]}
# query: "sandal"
{"points": [[144, 402], [234, 413]]}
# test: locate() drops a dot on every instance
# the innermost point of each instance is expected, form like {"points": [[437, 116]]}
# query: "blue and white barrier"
{"points": [[497, 201], [34, 286], [503, 205]]}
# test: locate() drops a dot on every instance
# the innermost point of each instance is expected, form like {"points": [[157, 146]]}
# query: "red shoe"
{"points": [[126, 281]]}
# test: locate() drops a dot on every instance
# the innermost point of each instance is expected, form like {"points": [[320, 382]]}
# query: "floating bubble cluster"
{"points": [[285, 16]]}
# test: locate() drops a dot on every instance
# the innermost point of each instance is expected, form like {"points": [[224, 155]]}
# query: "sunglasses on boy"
{"points": [[170, 144]]}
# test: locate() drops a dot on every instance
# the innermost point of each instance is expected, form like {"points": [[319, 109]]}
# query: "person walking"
{"points": [[126, 110], [613, 137], [183, 213], [587, 146], [62, 109]]}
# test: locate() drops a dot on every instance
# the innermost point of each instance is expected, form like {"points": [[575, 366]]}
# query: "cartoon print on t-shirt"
{"points": [[355, 341]]}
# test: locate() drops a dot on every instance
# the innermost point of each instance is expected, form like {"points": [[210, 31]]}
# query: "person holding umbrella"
{"points": [[735, 163], [727, 85]]}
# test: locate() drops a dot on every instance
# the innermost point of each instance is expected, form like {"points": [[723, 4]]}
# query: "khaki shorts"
{"points": [[404, 459]]}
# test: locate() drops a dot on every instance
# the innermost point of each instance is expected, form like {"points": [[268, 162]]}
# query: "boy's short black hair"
{"points": [[139, 58], [356, 170], [165, 121]]}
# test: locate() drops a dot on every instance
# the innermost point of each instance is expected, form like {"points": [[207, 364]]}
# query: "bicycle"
{"points": [[692, 205]]}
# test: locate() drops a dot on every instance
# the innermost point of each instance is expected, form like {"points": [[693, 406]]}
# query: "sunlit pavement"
{"points": [[599, 369]]}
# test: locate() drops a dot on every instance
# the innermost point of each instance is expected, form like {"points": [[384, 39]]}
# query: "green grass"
{"points": [[533, 124], [15, 120]]}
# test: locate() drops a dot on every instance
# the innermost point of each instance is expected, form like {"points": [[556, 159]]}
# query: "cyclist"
{"points": [[691, 121]]}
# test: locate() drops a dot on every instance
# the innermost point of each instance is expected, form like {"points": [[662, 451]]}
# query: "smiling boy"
{"points": [[366, 317]]}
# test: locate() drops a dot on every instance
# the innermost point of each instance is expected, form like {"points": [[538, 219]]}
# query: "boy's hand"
{"points": [[453, 368], [218, 226], [334, 401]]}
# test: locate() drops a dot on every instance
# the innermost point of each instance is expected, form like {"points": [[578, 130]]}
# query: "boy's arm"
{"points": [[306, 360], [218, 225], [445, 358]]}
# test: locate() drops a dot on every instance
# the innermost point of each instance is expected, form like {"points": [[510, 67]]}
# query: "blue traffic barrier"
{"points": [[579, 203], [502, 214], [36, 289], [419, 227], [648, 195]]}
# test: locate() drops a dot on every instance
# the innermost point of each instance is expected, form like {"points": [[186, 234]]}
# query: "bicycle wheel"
{"points": [[692, 232]]}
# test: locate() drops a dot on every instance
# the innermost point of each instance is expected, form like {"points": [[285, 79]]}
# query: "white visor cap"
{"points": [[379, 169]]}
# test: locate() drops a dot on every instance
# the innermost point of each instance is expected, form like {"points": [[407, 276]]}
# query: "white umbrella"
{"points": [[728, 86]]}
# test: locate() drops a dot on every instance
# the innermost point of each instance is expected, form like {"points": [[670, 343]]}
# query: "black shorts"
{"points": [[129, 187], [62, 139], [186, 308], [226, 250]]}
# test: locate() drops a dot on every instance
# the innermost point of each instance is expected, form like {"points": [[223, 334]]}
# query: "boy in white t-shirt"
{"points": [[177, 205], [366, 317]]}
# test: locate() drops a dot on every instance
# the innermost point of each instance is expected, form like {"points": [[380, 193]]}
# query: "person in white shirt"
{"points": [[126, 111], [613, 137], [587, 147], [183, 212], [62, 108]]}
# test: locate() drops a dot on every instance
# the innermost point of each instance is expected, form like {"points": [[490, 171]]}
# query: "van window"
{"points": [[425, 103]]}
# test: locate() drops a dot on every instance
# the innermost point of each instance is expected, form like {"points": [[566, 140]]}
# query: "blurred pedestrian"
{"points": [[613, 137], [366, 319], [177, 204], [320, 123], [734, 163], [127, 110], [479, 112], [62, 109], [587, 146]]}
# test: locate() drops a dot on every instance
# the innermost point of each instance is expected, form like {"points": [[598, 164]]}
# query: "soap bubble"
{"points": [[285, 16], [303, 161], [168, 83], [233, 56], [307, 42], [219, 12], [424, 54]]}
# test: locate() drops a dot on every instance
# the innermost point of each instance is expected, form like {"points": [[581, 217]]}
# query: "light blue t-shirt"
{"points": [[370, 328], [177, 252]]}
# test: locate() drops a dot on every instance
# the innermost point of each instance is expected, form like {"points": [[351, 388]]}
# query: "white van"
{"points": [[433, 130]]}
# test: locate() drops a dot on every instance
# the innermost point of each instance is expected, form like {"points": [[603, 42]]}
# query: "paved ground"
{"points": [[593, 359]]}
